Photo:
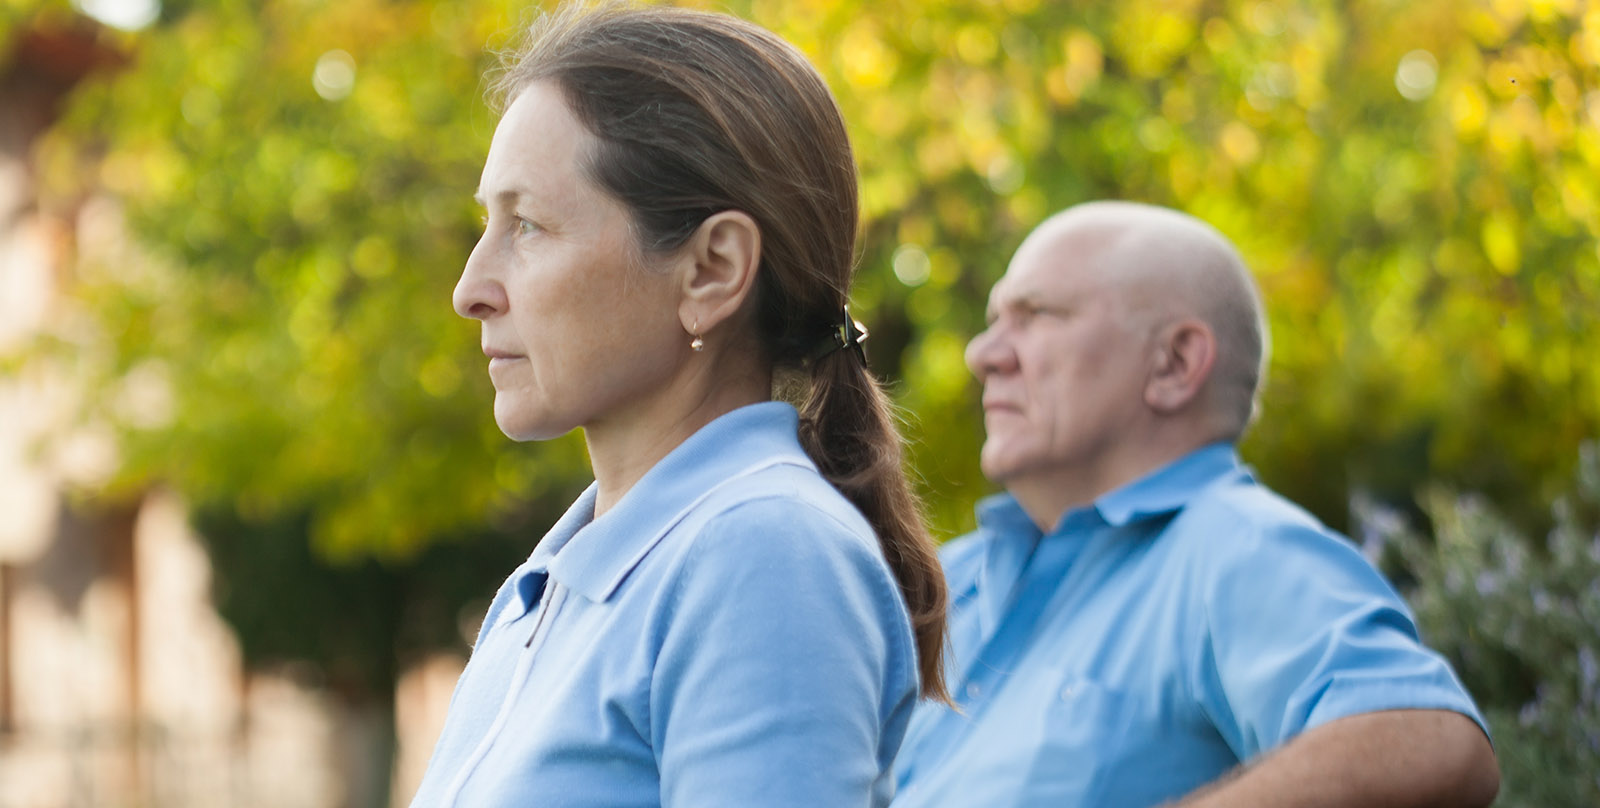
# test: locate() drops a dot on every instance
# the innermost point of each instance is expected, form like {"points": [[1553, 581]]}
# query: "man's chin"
{"points": [[996, 466]]}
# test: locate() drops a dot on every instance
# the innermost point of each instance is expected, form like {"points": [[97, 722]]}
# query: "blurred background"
{"points": [[252, 498]]}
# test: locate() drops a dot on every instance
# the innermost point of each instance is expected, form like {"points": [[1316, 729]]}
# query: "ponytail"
{"points": [[847, 427]]}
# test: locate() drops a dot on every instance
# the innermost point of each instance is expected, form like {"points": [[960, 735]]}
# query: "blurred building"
{"points": [[119, 683]]}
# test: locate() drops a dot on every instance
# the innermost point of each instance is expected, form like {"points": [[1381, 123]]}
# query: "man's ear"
{"points": [[719, 270], [1185, 353]]}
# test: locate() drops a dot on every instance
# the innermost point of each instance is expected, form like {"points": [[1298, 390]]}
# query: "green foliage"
{"points": [[1414, 183], [304, 174], [15, 12], [1518, 619]]}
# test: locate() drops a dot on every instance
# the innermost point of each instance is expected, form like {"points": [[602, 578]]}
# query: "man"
{"points": [[1136, 621]]}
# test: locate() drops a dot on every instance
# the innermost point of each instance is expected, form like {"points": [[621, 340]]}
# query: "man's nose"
{"points": [[989, 352]]}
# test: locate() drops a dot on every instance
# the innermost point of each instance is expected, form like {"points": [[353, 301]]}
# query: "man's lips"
{"points": [[999, 405]]}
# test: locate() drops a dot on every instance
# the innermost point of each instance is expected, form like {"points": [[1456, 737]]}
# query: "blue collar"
{"points": [[1162, 491], [594, 556], [1170, 487]]}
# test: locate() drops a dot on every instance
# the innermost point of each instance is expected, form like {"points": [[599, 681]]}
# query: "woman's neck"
{"points": [[622, 449]]}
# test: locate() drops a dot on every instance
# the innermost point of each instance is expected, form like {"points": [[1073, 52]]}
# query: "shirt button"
{"points": [[974, 690], [1068, 692]]}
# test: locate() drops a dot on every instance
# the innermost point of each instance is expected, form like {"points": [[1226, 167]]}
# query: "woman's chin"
{"points": [[522, 426]]}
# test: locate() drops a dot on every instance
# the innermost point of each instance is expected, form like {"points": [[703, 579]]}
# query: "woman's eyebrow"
{"points": [[507, 197]]}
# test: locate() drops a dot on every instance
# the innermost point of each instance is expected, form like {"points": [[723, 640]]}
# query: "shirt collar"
{"points": [[528, 580], [1170, 487], [1001, 513], [594, 556], [1164, 490]]}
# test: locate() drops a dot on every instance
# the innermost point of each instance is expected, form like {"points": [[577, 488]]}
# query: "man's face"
{"points": [[1063, 362]]}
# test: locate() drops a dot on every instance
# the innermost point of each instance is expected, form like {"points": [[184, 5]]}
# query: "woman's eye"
{"points": [[526, 228]]}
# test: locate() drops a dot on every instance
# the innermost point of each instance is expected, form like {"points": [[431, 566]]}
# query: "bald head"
{"points": [[1121, 338], [1165, 266]]}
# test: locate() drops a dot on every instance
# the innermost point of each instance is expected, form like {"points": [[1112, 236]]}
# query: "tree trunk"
{"points": [[366, 741]]}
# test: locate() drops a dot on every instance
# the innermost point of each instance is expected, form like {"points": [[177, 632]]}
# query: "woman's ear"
{"points": [[718, 270], [1184, 356]]}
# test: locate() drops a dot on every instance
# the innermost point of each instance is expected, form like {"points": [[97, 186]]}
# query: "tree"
{"points": [[1417, 208]]}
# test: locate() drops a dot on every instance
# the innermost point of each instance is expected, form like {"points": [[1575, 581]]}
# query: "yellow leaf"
{"points": [[1500, 244]]}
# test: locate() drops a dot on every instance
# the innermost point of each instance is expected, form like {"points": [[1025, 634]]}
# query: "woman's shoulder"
{"points": [[786, 550], [787, 528], [787, 511]]}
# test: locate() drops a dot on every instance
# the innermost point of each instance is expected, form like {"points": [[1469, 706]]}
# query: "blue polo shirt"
{"points": [[727, 635], [1155, 639]]}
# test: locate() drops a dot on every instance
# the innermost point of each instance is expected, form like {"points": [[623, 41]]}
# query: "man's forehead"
{"points": [[1062, 270]]}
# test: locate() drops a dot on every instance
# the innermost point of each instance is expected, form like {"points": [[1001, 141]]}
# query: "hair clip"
{"points": [[849, 333]]}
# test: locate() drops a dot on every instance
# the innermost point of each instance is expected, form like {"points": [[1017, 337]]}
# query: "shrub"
{"points": [[1520, 620]]}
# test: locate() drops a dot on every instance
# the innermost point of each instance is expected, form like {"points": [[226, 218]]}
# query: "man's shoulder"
{"points": [[1244, 514], [1249, 500]]}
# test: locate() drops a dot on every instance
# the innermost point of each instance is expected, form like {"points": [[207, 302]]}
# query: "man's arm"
{"points": [[1390, 759]]}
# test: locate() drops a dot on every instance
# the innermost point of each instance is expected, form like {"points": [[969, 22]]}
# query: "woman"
{"points": [[671, 219]]}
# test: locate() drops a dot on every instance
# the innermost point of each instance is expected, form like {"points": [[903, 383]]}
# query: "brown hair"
{"points": [[695, 113]]}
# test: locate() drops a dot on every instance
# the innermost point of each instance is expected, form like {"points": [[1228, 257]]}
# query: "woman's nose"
{"points": [[479, 295]]}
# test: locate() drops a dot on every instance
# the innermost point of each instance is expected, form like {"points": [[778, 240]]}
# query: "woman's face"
{"points": [[578, 332]]}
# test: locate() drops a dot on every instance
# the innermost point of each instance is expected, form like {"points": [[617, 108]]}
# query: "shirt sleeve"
{"points": [[785, 677], [1300, 630]]}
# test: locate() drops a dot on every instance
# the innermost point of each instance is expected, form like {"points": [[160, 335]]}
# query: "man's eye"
{"points": [[526, 228], [1031, 313]]}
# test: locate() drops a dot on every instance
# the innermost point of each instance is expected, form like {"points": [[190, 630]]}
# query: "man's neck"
{"points": [[1047, 497]]}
